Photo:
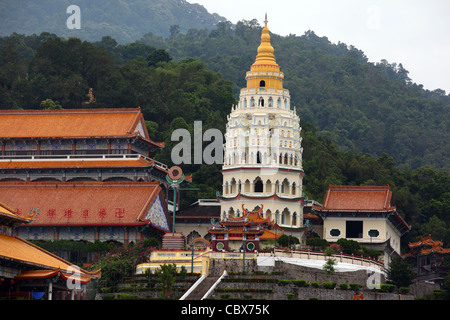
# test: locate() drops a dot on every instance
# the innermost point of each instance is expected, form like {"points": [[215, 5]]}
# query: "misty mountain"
{"points": [[123, 20]]}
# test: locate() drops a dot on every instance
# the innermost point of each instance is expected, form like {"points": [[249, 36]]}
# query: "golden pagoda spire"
{"points": [[265, 73], [265, 50]]}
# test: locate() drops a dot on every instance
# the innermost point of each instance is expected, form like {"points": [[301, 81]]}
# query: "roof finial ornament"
{"points": [[265, 21]]}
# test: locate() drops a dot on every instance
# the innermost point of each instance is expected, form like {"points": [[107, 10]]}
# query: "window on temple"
{"points": [[258, 186], [335, 232], [262, 83], [354, 229], [373, 233], [258, 157], [261, 102]]}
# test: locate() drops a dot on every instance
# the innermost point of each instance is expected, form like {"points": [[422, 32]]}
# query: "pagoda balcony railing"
{"points": [[269, 90], [69, 157]]}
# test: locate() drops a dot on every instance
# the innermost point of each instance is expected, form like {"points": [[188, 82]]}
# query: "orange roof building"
{"points": [[364, 214], [88, 211], [25, 267], [80, 145], [86, 171], [427, 256]]}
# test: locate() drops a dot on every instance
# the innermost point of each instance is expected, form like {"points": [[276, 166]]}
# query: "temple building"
{"points": [[77, 145], [87, 172], [428, 258], [89, 211], [27, 271], [244, 233], [262, 168], [363, 214]]}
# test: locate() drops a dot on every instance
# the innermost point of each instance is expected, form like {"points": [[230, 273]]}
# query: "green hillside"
{"points": [[125, 21]]}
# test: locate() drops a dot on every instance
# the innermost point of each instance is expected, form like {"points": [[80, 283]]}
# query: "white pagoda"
{"points": [[262, 168]]}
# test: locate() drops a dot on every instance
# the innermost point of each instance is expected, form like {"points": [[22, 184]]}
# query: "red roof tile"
{"points": [[87, 163], [358, 198], [81, 203]]}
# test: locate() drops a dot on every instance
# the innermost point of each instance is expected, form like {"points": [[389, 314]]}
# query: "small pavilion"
{"points": [[247, 231]]}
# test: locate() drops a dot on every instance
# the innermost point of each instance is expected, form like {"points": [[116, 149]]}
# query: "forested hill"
{"points": [[362, 106], [125, 21]]}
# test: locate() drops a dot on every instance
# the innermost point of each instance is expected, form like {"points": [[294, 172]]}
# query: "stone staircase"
{"points": [[202, 289]]}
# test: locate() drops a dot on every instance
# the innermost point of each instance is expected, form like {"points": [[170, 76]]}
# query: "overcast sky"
{"points": [[415, 33]]}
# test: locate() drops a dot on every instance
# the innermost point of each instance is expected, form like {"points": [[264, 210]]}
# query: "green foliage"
{"points": [[354, 286], [121, 262], [400, 273], [349, 246], [287, 240], [49, 104], [123, 20], [329, 285], [166, 275], [284, 282], [317, 243], [300, 283], [386, 287], [343, 286], [328, 267]]}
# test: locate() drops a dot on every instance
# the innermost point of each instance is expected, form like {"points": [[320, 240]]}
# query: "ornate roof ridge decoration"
{"points": [[426, 241], [426, 245]]}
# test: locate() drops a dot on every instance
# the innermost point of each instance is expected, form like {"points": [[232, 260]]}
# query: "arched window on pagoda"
{"points": [[258, 185], [294, 219], [270, 102], [261, 102], [262, 84], [258, 157]]}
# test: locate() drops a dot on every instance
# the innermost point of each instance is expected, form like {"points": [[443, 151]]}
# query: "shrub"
{"points": [[354, 286], [300, 283], [329, 285], [343, 286], [108, 296], [387, 287], [224, 296], [284, 282], [315, 284], [289, 296], [317, 243], [404, 290]]}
